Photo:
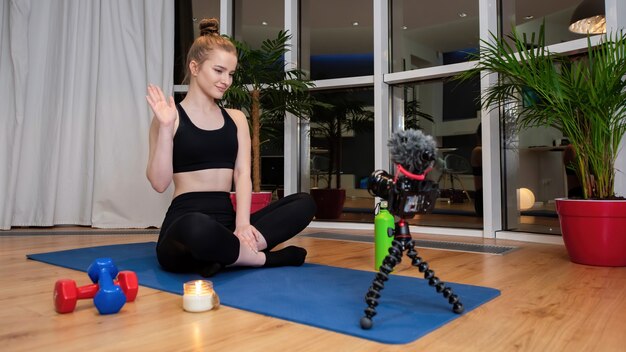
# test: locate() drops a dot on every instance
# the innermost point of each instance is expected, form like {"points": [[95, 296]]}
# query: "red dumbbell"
{"points": [[66, 293]]}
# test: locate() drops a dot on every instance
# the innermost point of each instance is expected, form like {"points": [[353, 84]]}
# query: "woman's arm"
{"points": [[243, 183], [160, 170], [241, 174]]}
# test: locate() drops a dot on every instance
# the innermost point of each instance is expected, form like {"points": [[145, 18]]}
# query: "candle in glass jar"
{"points": [[199, 296]]}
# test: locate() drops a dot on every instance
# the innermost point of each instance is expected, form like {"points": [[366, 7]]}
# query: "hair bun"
{"points": [[209, 26]]}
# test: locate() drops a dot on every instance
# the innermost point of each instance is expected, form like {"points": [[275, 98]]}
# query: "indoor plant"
{"points": [[584, 97], [265, 90], [333, 116]]}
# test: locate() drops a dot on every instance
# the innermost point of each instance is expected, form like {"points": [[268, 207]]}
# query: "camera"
{"points": [[406, 196]]}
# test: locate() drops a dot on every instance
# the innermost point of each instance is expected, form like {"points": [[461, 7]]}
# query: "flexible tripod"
{"points": [[404, 242]]}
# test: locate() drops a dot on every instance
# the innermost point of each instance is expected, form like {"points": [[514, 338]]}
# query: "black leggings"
{"points": [[198, 228]]}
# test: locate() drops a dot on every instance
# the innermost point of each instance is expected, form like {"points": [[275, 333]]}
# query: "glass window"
{"points": [[188, 14], [342, 148], [336, 38], [430, 33], [336, 41], [257, 20], [528, 15], [534, 159], [254, 22], [427, 106], [535, 174]]}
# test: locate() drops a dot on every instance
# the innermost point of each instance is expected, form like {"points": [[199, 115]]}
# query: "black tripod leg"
{"points": [[373, 294], [433, 280]]}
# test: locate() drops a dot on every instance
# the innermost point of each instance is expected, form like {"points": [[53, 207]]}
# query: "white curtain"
{"points": [[74, 121]]}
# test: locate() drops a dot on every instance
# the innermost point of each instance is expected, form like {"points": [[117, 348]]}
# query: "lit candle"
{"points": [[199, 296]]}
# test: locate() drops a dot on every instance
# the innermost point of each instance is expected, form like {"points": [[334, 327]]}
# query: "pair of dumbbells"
{"points": [[109, 295]]}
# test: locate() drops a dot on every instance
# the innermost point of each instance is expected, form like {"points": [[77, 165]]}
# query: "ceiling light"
{"points": [[462, 14], [404, 27], [529, 17], [588, 18], [355, 23], [264, 23]]}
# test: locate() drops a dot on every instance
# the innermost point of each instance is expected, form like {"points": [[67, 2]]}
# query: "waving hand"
{"points": [[164, 109]]}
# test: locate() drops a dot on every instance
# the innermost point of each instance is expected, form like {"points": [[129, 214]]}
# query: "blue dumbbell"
{"points": [[110, 298]]}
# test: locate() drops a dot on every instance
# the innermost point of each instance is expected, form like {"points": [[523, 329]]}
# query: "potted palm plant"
{"points": [[583, 96], [333, 116], [265, 91]]}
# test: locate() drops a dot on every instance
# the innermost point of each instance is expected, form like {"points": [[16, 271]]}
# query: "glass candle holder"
{"points": [[199, 296]]}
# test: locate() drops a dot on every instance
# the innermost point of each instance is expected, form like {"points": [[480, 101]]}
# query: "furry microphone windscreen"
{"points": [[413, 150]]}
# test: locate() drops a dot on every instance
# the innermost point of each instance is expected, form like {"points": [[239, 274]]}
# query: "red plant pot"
{"points": [[259, 200], [594, 231], [329, 202]]}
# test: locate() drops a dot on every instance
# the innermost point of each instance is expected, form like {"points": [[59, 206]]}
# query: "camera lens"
{"points": [[379, 183]]}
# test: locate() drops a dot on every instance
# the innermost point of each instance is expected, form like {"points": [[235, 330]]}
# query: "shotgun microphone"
{"points": [[413, 150]]}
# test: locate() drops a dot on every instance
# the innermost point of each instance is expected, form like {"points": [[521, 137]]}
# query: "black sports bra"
{"points": [[198, 149]]}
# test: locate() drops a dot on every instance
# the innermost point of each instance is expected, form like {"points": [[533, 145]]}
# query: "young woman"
{"points": [[204, 148]]}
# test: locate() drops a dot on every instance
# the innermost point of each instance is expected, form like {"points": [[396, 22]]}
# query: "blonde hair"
{"points": [[209, 39]]}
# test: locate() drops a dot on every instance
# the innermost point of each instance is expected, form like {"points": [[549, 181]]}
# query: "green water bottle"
{"points": [[384, 226]]}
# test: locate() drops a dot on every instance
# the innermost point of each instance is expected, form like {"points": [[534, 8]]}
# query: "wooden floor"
{"points": [[547, 304]]}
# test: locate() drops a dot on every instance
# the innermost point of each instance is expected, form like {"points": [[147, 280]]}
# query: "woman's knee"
{"points": [[305, 202]]}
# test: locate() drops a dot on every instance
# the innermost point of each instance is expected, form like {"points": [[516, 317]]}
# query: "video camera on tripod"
{"points": [[408, 192]]}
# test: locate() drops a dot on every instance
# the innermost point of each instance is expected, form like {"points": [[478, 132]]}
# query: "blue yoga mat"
{"points": [[318, 295]]}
